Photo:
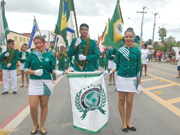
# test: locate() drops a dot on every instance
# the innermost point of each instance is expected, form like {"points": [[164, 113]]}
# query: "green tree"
{"points": [[156, 46], [162, 34], [149, 42]]}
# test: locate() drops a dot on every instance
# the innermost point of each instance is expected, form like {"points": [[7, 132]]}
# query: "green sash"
{"points": [[9, 60], [82, 64]]}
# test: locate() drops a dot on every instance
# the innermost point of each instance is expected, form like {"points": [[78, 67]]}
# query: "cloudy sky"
{"points": [[19, 14]]}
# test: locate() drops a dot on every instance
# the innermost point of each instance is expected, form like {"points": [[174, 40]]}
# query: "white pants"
{"points": [[10, 74]]}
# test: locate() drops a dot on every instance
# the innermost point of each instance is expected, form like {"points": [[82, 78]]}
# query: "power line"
{"points": [[172, 21]]}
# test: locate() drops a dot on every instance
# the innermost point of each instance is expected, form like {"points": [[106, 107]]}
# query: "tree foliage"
{"points": [[162, 34]]}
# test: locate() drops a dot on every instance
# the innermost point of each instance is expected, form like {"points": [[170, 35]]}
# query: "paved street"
{"points": [[156, 109]]}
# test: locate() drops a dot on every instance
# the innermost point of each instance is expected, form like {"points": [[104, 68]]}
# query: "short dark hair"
{"points": [[9, 41], [40, 38], [85, 25], [145, 45], [138, 37], [129, 30]]}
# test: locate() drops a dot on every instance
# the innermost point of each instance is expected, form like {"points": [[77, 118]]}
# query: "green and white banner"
{"points": [[4, 30], [89, 101]]}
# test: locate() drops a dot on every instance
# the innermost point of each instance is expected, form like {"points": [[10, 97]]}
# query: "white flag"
{"points": [[2, 31], [89, 101], [70, 29]]}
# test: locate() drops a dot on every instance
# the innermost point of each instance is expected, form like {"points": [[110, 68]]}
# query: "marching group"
{"points": [[124, 65]]}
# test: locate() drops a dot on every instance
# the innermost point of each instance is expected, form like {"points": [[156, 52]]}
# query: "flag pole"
{"points": [[75, 19], [37, 24]]}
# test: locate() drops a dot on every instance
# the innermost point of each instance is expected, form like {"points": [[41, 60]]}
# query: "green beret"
{"points": [[51, 42], [31, 49], [25, 44]]}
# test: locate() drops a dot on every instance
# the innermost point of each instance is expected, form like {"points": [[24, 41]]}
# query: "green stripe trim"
{"points": [[83, 76], [89, 131]]}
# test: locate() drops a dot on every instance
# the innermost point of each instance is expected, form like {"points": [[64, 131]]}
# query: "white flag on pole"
{"points": [[70, 28], [2, 31], [89, 101]]}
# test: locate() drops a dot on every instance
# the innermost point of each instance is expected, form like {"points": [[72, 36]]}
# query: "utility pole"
{"points": [[142, 23], [154, 28]]}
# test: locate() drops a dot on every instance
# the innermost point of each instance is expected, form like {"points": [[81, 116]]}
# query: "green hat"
{"points": [[31, 49], [25, 44], [51, 42]]}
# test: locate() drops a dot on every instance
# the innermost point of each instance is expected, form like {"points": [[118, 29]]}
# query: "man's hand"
{"points": [[8, 65], [7, 54], [82, 57], [112, 55], [78, 41]]}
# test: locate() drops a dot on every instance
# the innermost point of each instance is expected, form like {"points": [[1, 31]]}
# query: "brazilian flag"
{"points": [[64, 13], [113, 35]]}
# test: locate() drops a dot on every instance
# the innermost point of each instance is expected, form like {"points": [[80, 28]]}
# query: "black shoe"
{"points": [[132, 128], [43, 133], [5, 93], [35, 132], [14, 92], [125, 130], [21, 86]]}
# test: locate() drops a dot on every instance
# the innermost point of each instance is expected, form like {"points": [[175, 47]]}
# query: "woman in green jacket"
{"points": [[40, 65], [23, 54], [128, 65]]}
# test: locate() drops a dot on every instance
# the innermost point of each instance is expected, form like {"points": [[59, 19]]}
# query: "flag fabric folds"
{"points": [[4, 30], [102, 47], [33, 33], [64, 14], [113, 35], [89, 101]]}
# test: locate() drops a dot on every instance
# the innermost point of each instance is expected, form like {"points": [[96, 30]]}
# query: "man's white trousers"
{"points": [[10, 74]]}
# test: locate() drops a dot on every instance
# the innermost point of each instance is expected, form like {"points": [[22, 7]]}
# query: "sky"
{"points": [[20, 15]]}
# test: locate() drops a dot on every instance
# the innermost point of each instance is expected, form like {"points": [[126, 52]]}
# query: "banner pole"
{"points": [[75, 19]]}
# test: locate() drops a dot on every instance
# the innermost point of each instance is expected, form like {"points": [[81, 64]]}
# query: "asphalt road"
{"points": [[156, 110]]}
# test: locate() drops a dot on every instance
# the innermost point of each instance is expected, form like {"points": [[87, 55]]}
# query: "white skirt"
{"points": [[126, 84], [145, 62], [21, 66], [111, 64], [40, 87]]}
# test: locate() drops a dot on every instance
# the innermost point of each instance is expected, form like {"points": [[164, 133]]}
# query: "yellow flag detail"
{"points": [[63, 20], [117, 31]]}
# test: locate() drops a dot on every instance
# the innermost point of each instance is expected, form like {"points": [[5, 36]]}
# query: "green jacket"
{"points": [[45, 61], [20, 56], [128, 62], [110, 53], [91, 57], [13, 62]]}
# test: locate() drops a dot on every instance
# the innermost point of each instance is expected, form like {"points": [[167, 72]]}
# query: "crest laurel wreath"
{"points": [[102, 103], [78, 101]]}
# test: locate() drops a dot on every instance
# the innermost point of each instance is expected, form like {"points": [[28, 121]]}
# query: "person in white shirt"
{"points": [[178, 65], [144, 58]]}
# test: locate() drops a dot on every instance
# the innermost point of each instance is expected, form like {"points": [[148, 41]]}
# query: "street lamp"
{"points": [[134, 21]]}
